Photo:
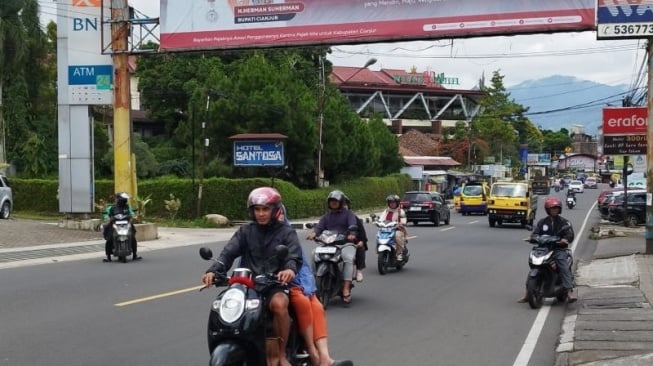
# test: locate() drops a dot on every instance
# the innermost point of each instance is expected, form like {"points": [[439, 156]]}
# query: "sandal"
{"points": [[346, 298]]}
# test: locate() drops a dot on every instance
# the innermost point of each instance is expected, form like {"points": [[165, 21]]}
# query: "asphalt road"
{"points": [[453, 304]]}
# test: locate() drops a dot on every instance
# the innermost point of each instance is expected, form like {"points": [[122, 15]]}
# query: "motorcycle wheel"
{"points": [[382, 262], [535, 294], [561, 296], [122, 258], [569, 206], [324, 290], [631, 220]]}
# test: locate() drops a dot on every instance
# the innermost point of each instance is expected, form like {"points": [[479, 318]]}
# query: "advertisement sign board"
{"points": [[624, 19], [625, 120], [258, 153], [269, 23], [539, 159], [624, 144]]}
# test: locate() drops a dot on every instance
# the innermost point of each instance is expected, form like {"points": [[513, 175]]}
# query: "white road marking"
{"points": [[159, 296], [472, 222], [449, 228], [536, 329]]}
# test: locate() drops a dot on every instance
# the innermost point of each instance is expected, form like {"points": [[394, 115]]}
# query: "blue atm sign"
{"points": [[90, 75], [259, 153]]}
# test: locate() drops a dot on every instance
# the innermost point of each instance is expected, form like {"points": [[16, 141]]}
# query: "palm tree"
{"points": [[12, 50]]}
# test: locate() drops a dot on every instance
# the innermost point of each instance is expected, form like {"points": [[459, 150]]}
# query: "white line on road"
{"points": [[472, 222], [159, 296], [536, 329], [449, 228]]}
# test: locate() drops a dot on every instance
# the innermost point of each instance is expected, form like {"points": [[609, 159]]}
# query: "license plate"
{"points": [[326, 250], [415, 209]]}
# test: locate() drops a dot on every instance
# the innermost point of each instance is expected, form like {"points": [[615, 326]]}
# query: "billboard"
{"points": [[625, 120], [270, 23], [624, 19], [258, 153]]}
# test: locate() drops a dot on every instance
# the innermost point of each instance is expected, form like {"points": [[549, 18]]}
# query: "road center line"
{"points": [[159, 296], [449, 228], [472, 222]]}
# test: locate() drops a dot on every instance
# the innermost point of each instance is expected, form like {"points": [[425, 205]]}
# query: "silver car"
{"points": [[6, 199]]}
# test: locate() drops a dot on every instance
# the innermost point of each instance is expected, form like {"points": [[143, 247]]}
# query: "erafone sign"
{"points": [[625, 121], [218, 24]]}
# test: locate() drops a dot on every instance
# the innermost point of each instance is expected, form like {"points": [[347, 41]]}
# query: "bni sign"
{"points": [[259, 153]]}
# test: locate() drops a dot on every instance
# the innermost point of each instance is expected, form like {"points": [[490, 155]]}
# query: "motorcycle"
{"points": [[571, 202], [122, 236], [544, 279], [239, 321], [386, 247], [328, 264]]}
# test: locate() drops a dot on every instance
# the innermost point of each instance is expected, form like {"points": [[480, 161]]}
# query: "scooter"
{"points": [[328, 264], [544, 279], [122, 236], [239, 320], [571, 202], [386, 247]]}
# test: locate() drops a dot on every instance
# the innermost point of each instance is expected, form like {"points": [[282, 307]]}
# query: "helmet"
{"points": [[121, 199], [552, 202], [264, 196], [339, 196], [393, 198]]}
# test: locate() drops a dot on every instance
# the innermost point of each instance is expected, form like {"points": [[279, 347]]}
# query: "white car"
{"points": [[576, 186], [6, 199]]}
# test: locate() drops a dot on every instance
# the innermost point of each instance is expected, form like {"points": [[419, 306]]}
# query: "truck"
{"points": [[541, 185], [511, 202]]}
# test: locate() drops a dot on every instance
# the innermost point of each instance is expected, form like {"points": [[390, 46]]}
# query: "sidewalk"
{"points": [[612, 322]]}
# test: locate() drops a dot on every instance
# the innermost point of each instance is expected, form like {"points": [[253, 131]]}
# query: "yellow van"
{"points": [[511, 202], [473, 198]]}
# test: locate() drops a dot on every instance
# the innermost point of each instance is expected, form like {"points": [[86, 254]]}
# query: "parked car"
{"points": [[6, 198], [591, 183], [576, 186], [425, 206], [610, 197], [604, 195], [635, 211]]}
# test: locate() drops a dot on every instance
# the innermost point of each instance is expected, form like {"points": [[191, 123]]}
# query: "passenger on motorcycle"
{"points": [[256, 242], [120, 207], [550, 225], [396, 214], [361, 244], [311, 318], [340, 219]]}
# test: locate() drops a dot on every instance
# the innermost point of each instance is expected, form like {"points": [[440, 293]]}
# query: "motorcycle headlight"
{"points": [[231, 306]]}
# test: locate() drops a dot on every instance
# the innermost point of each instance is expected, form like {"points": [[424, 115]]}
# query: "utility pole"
{"points": [[319, 174], [649, 152], [205, 144], [123, 166]]}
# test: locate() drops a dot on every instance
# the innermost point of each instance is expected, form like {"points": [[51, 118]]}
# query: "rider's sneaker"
{"points": [[359, 275], [400, 257]]}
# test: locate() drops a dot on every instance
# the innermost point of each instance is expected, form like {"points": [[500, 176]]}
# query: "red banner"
{"points": [[269, 23], [625, 121]]}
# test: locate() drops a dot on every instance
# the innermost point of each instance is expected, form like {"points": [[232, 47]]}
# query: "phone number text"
{"points": [[628, 30]]}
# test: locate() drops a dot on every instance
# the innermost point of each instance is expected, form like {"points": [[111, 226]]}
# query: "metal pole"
{"points": [[319, 175], [649, 153], [124, 179], [204, 143]]}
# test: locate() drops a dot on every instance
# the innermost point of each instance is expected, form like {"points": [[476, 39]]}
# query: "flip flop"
{"points": [[346, 298]]}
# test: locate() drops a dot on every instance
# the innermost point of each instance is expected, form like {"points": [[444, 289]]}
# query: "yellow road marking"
{"points": [[159, 296]]}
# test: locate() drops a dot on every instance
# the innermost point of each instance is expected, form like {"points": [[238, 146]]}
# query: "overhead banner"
{"points": [[625, 120], [223, 24]]}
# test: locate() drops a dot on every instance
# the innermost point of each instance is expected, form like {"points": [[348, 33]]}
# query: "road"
{"points": [[453, 304]]}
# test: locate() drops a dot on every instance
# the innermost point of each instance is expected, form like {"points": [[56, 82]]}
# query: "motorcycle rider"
{"points": [[256, 242], [571, 194], [398, 215], [311, 319], [550, 225], [340, 220], [120, 207]]}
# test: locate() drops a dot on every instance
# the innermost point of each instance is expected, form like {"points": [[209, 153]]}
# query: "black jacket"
{"points": [[552, 225], [256, 244]]}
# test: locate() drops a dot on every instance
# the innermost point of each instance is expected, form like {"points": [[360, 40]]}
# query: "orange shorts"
{"points": [[308, 311]]}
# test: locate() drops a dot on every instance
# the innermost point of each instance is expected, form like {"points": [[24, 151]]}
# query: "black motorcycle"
{"points": [[121, 234], [544, 278], [239, 321], [571, 201], [328, 264]]}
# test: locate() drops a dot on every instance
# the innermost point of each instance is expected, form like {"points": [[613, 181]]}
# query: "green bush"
{"points": [[227, 197]]}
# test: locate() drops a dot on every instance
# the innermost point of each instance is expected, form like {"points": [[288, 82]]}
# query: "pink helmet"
{"points": [[264, 196]]}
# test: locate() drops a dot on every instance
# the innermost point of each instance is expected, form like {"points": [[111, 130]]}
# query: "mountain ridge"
{"points": [[560, 101]]}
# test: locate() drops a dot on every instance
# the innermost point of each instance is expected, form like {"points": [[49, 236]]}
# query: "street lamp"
{"points": [[319, 175]]}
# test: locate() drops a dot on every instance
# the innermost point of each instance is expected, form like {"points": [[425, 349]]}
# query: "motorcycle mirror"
{"points": [[206, 253], [310, 225], [373, 217]]}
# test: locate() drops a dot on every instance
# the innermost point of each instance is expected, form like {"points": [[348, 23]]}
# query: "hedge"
{"points": [[220, 195]]}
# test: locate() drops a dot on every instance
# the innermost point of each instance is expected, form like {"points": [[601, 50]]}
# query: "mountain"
{"points": [[562, 101]]}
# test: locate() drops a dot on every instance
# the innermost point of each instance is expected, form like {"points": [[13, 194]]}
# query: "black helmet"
{"points": [[121, 199], [339, 196]]}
